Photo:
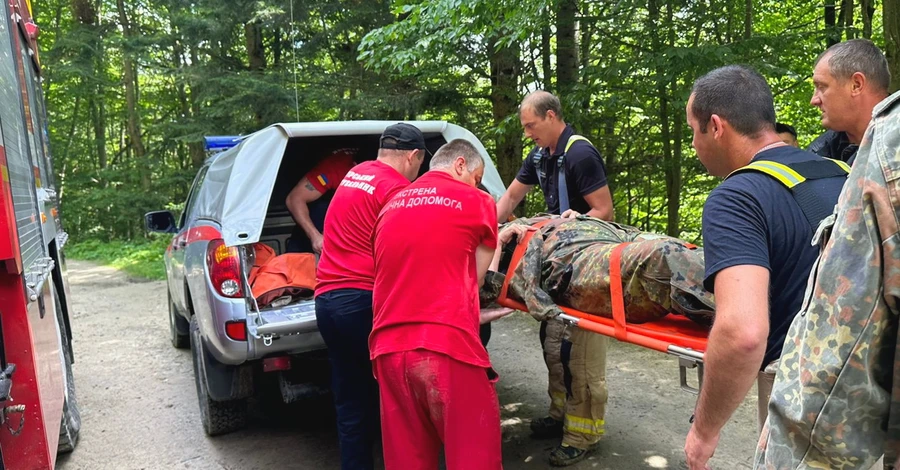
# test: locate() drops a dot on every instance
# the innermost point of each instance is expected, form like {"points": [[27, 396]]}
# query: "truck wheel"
{"points": [[70, 427], [178, 328], [217, 417]]}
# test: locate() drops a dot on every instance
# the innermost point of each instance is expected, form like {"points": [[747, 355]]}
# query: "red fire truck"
{"points": [[38, 410]]}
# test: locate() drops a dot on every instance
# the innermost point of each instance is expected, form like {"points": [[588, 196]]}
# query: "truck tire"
{"points": [[217, 417], [70, 427], [179, 328]]}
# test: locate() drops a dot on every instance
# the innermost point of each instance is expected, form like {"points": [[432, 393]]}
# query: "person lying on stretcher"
{"points": [[567, 263]]}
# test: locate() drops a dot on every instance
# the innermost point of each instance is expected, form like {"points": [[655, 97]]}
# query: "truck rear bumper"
{"points": [[287, 330]]}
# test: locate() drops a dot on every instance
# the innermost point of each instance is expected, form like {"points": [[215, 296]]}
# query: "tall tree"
{"points": [[892, 41], [504, 63], [566, 47], [832, 33], [748, 18], [130, 79]]}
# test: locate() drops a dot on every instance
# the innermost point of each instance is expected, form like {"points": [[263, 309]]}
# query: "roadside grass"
{"points": [[140, 258]]}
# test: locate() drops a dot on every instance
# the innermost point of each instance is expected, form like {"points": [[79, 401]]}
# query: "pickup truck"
{"points": [[236, 200]]}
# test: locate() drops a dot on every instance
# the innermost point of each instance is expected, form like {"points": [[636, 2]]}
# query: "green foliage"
{"points": [[140, 257], [209, 67]]}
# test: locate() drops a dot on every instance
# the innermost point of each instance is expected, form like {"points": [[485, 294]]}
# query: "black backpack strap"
{"points": [[536, 157]]}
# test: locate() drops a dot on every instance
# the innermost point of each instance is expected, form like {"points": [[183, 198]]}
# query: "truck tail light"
{"points": [[224, 264]]}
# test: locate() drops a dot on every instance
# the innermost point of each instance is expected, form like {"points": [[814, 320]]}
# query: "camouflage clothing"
{"points": [[567, 263], [835, 402]]}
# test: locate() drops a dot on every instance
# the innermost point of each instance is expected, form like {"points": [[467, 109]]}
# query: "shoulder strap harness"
{"points": [[794, 175], [537, 155]]}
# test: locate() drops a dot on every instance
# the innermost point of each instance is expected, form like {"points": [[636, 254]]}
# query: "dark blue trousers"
{"points": [[344, 317]]}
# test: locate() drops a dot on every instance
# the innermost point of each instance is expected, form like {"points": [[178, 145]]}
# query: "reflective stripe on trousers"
{"points": [[580, 378]]}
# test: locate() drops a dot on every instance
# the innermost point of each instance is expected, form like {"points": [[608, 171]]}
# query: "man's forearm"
{"points": [[301, 216], [495, 261], [504, 208], [730, 371], [602, 214]]}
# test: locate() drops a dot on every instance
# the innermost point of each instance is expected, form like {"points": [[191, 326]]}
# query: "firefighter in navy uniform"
{"points": [[572, 177]]}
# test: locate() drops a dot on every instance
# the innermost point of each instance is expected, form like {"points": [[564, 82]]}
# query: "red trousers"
{"points": [[429, 399]]}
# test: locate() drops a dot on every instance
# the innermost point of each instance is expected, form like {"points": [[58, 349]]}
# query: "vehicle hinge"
{"points": [[37, 275]]}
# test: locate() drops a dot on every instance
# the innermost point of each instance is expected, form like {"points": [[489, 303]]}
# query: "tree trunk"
{"points": [[671, 167], [255, 50], [131, 100], [277, 46], [673, 175], [98, 121], [546, 52], [195, 148], [566, 48], [847, 18], [257, 59], [609, 149], [748, 18], [892, 41], [832, 33], [868, 12], [504, 101], [585, 43]]}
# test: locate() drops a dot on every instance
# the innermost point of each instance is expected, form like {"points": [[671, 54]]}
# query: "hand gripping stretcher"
{"points": [[673, 334]]}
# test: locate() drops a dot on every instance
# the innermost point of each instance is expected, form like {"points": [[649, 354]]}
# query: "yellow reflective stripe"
{"points": [[788, 172], [590, 427], [574, 139], [558, 399], [782, 173], [844, 166]]}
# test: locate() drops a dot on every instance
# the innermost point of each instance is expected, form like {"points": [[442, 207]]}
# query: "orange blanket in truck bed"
{"points": [[273, 276]]}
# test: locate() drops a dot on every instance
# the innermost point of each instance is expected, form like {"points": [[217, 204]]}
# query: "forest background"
{"points": [[132, 87]]}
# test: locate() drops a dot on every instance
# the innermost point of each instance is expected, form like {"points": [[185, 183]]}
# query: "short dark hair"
{"points": [[739, 95], [542, 101], [858, 55], [781, 128], [457, 148]]}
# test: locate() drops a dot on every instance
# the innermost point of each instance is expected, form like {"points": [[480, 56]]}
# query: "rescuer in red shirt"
{"points": [[345, 277], [434, 242], [306, 204]]}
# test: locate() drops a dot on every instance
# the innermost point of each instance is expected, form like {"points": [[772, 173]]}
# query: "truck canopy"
{"points": [[239, 183]]}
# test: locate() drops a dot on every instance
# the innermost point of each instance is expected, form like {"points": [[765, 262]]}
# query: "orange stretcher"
{"points": [[673, 334]]}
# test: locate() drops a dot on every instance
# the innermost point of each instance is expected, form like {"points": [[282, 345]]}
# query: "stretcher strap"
{"points": [[519, 252], [615, 288]]}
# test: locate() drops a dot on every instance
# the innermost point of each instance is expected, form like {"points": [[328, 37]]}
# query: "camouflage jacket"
{"points": [[835, 402], [567, 263]]}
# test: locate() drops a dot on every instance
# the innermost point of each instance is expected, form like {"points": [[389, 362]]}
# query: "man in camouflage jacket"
{"points": [[836, 399]]}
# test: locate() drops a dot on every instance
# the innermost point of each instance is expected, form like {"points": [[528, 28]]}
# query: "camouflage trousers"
{"points": [[576, 362]]}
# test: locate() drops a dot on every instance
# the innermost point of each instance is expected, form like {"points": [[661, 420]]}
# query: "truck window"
{"points": [[192, 196]]}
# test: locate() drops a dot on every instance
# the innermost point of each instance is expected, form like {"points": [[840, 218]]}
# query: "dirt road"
{"points": [[139, 404]]}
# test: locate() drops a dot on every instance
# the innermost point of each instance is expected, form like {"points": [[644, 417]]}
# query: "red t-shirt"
{"points": [[346, 261], [330, 171], [426, 280]]}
